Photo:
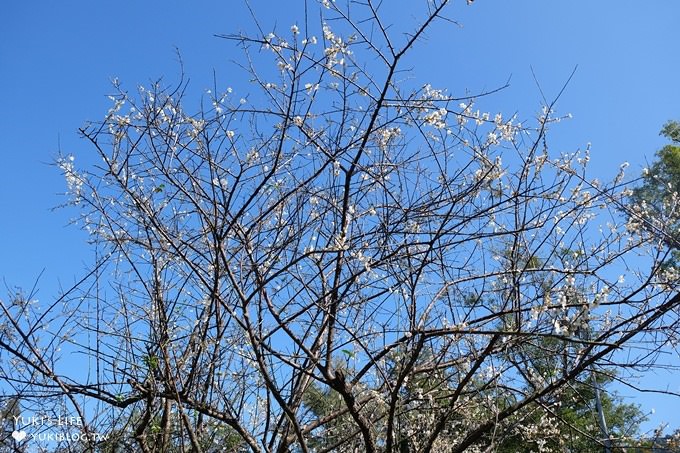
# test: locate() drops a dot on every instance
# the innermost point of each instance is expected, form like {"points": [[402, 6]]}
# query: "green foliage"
{"points": [[660, 186], [671, 130], [212, 436], [321, 403], [562, 421], [568, 420], [151, 362]]}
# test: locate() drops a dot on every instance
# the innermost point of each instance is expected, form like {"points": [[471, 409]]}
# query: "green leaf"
{"points": [[348, 353]]}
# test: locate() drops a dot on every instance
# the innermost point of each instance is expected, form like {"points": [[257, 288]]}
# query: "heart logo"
{"points": [[19, 435]]}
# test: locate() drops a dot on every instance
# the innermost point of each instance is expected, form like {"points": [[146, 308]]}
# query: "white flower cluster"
{"points": [[490, 171], [336, 49], [74, 181], [546, 116], [364, 260], [436, 118], [465, 113], [253, 155], [284, 66], [668, 278], [311, 87], [118, 103], [220, 182], [506, 130], [197, 126], [386, 135], [503, 130], [539, 433], [432, 94]]}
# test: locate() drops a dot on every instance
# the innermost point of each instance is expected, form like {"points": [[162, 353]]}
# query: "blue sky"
{"points": [[57, 60]]}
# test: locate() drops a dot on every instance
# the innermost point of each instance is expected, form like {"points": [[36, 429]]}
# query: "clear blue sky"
{"points": [[57, 60]]}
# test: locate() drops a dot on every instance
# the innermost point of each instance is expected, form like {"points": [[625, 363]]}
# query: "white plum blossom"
{"points": [[465, 113], [347, 217], [436, 118], [220, 182], [311, 87], [387, 135], [74, 181]]}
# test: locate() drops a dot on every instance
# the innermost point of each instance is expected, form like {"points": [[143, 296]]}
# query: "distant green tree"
{"points": [[656, 202], [165, 435], [571, 422], [563, 421]]}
